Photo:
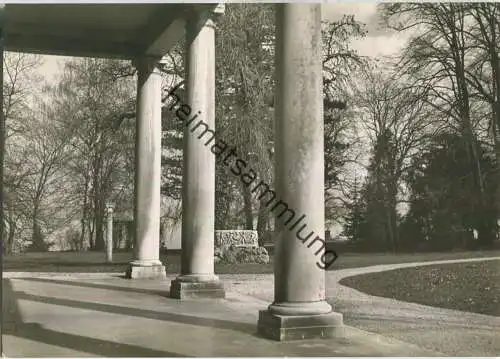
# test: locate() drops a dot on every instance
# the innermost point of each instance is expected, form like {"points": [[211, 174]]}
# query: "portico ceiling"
{"points": [[96, 30]]}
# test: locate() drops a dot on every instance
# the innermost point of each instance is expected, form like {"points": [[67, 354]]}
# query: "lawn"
{"points": [[471, 287], [90, 262]]}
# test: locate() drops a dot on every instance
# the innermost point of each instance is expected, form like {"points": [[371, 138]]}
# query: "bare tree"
{"points": [[340, 61], [19, 85], [483, 73], [46, 144], [397, 123], [439, 58], [95, 100], [244, 93]]}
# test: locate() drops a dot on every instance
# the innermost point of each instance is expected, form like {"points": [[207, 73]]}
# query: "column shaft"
{"points": [[146, 261], [299, 151], [299, 309], [198, 189], [198, 192]]}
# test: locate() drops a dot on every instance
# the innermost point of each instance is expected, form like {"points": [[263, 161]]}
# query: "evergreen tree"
{"points": [[445, 202]]}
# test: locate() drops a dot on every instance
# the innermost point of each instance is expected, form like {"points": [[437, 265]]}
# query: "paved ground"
{"points": [[104, 315]]}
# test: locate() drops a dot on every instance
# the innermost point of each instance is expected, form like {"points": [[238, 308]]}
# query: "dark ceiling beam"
{"points": [[59, 45], [94, 32], [160, 38], [152, 35], [158, 23]]}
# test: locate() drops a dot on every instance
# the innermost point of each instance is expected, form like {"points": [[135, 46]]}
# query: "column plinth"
{"points": [[146, 269], [299, 310], [197, 286], [146, 262], [197, 278]]}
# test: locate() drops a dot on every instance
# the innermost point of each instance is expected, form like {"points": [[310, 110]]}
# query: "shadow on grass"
{"points": [[13, 325]]}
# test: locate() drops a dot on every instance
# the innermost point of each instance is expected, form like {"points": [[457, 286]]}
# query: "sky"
{"points": [[377, 43]]}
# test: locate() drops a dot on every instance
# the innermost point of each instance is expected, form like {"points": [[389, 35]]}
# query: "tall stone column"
{"points": [[197, 278], [146, 263], [299, 309]]}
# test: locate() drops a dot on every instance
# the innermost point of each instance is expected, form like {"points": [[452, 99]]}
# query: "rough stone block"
{"points": [[236, 238], [192, 290], [241, 255], [284, 328]]}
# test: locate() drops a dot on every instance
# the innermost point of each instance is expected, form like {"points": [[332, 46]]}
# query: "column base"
{"points": [[294, 327], [186, 287], [146, 270]]}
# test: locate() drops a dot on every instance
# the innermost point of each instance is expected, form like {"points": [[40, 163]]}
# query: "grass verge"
{"points": [[472, 287], [94, 262]]}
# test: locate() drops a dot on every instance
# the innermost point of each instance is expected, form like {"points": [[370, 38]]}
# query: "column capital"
{"points": [[218, 11], [148, 64], [215, 15], [207, 18]]}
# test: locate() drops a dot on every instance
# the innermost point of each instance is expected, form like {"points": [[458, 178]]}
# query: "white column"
{"points": [[146, 263], [109, 234], [197, 278], [299, 309]]}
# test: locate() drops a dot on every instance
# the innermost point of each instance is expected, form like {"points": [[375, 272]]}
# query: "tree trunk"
{"points": [[247, 202], [262, 222], [99, 230], [474, 157], [84, 217], [81, 241], [10, 239], [130, 234], [91, 226], [495, 61], [222, 204], [98, 206], [37, 242], [393, 214], [123, 236]]}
